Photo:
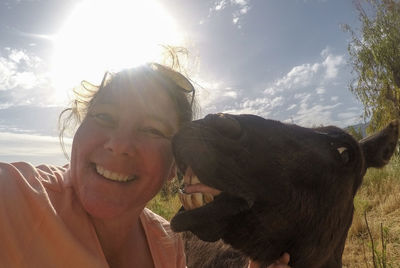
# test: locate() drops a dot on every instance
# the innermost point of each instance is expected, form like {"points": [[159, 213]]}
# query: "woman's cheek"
{"points": [[161, 159], [167, 155]]}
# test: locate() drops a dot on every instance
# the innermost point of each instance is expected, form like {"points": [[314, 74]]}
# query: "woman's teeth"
{"points": [[114, 176]]}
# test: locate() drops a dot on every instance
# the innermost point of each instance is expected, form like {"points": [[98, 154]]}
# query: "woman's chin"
{"points": [[101, 209], [100, 204]]}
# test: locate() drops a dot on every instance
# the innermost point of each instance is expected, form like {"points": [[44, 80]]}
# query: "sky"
{"points": [[280, 59]]}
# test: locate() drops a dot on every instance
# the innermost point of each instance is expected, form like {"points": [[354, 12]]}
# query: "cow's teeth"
{"points": [[186, 200], [194, 200], [197, 200], [114, 176], [208, 198]]}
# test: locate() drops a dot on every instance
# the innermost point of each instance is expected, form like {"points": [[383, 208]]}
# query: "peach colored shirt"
{"points": [[42, 224]]}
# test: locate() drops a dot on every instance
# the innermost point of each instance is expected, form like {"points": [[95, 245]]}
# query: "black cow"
{"points": [[284, 188]]}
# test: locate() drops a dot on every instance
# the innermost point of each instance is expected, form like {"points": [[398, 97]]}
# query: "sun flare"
{"points": [[105, 35]]}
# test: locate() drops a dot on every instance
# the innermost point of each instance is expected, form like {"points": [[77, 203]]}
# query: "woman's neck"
{"points": [[124, 242]]}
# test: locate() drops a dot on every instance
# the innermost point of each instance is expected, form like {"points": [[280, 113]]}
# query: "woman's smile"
{"points": [[114, 176]]}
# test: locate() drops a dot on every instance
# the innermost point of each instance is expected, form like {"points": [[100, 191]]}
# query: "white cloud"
{"points": [[244, 10], [332, 64], [231, 94], [215, 96], [19, 1], [32, 148], [318, 1], [317, 74], [325, 52], [308, 95], [301, 75], [262, 103], [219, 5], [237, 8], [18, 55], [311, 114], [10, 70], [270, 91], [240, 2], [23, 78], [349, 114], [350, 117], [26, 80], [320, 90], [302, 95], [260, 106]]}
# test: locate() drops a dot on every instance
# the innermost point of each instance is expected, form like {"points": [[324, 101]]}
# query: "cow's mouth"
{"points": [[199, 198]]}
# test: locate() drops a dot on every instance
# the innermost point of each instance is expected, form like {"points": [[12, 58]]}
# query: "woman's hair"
{"points": [[177, 86]]}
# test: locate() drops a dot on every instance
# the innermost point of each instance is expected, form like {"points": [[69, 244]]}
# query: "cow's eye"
{"points": [[344, 154]]}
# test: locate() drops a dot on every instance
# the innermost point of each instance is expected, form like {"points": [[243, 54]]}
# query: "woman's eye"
{"points": [[104, 118], [154, 132]]}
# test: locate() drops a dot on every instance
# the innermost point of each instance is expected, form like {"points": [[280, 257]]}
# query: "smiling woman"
{"points": [[109, 35], [94, 208]]}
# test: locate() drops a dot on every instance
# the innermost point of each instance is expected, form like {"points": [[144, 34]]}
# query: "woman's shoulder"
{"points": [[24, 173], [18, 172], [7, 169]]}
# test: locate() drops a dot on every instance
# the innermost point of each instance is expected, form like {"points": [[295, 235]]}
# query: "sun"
{"points": [[103, 35]]}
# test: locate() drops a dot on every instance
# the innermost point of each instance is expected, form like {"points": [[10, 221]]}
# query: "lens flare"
{"points": [[105, 35]]}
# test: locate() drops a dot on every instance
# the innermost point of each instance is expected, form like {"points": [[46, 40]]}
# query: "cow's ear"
{"points": [[379, 147]]}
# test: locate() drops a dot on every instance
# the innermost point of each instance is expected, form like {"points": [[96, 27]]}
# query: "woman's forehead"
{"points": [[148, 98], [144, 91]]}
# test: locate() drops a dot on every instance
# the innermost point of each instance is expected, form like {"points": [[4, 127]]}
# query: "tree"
{"points": [[375, 59], [356, 133]]}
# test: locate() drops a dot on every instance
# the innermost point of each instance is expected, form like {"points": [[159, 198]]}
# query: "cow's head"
{"points": [[278, 182]]}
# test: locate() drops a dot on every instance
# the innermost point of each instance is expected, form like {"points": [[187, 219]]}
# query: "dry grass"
{"points": [[379, 198]]}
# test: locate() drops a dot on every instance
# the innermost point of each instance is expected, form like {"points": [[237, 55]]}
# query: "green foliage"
{"points": [[356, 133], [165, 207], [375, 59], [166, 203]]}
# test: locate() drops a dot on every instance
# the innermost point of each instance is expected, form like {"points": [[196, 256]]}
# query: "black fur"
{"points": [[285, 188]]}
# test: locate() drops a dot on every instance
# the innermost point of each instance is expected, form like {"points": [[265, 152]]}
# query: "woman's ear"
{"points": [[172, 173]]}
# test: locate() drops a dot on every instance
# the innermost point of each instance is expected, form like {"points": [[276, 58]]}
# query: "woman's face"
{"points": [[121, 153]]}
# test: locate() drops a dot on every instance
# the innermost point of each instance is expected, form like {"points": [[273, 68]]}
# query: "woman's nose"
{"points": [[121, 142]]}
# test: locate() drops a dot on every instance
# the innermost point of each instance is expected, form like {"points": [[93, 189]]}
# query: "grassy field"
{"points": [[378, 201]]}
